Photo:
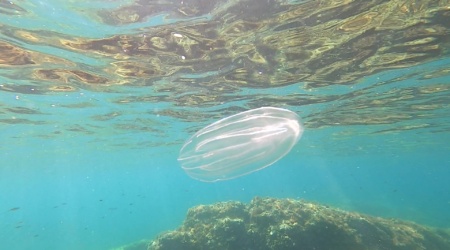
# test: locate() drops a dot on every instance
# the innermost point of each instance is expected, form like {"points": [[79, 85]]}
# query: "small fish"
{"points": [[14, 209]]}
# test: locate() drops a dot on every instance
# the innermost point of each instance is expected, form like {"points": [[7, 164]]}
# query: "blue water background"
{"points": [[73, 196], [77, 191]]}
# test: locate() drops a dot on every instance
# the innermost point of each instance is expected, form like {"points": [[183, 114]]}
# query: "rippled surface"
{"points": [[189, 63]]}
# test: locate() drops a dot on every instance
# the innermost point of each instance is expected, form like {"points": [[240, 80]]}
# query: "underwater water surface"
{"points": [[98, 97]]}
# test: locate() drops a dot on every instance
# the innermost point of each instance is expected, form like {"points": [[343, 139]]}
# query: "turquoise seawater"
{"points": [[83, 170]]}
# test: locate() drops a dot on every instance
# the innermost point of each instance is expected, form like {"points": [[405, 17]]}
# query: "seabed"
{"points": [[269, 223]]}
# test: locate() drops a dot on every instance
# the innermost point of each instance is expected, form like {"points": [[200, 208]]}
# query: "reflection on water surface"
{"points": [[185, 58]]}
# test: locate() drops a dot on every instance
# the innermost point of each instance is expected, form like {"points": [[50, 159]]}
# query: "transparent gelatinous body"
{"points": [[240, 144]]}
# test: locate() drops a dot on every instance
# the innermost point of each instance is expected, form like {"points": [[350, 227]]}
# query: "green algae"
{"points": [[268, 223]]}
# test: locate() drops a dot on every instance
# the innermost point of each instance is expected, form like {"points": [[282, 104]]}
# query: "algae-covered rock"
{"points": [[268, 223]]}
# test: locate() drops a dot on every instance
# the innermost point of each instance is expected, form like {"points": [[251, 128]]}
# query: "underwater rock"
{"points": [[269, 223]]}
